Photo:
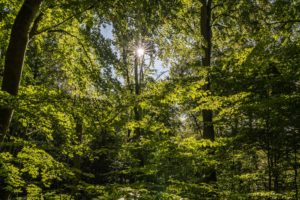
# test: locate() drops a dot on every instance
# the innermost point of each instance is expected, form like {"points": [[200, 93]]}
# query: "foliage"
{"points": [[92, 120]]}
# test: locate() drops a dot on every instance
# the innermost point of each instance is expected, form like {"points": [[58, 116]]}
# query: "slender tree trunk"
{"points": [[269, 171], [137, 108], [79, 131], [206, 33], [126, 76], [136, 76], [295, 172], [15, 54], [276, 171], [137, 93], [208, 130]]}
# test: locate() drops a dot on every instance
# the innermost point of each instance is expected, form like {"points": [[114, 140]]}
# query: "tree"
{"points": [[94, 121], [15, 54]]}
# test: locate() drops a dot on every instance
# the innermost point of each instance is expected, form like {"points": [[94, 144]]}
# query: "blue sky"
{"points": [[161, 72]]}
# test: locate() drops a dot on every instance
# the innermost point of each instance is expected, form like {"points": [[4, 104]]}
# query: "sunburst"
{"points": [[140, 51]]}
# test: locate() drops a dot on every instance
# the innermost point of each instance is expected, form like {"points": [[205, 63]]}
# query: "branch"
{"points": [[209, 4], [35, 25], [162, 73], [217, 5], [62, 22], [284, 22], [199, 127], [78, 40], [214, 18]]}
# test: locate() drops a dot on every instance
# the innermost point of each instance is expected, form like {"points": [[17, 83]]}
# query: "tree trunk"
{"points": [[137, 114], [208, 132], [295, 172], [206, 33], [15, 54]]}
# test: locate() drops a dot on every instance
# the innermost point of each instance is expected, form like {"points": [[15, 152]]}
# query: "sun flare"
{"points": [[140, 51]]}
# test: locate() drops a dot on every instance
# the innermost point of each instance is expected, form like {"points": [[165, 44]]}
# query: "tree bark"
{"points": [[295, 172], [208, 131], [15, 54], [207, 115], [137, 114]]}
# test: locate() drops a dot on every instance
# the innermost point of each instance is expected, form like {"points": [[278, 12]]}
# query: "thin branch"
{"points": [[162, 73], [78, 40], [35, 25], [220, 15], [209, 4], [199, 127], [284, 22], [62, 22], [217, 5]]}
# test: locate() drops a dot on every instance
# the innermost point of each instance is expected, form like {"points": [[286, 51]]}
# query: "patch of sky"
{"points": [[160, 71]]}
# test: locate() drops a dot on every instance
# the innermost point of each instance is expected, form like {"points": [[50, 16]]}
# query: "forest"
{"points": [[149, 99]]}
